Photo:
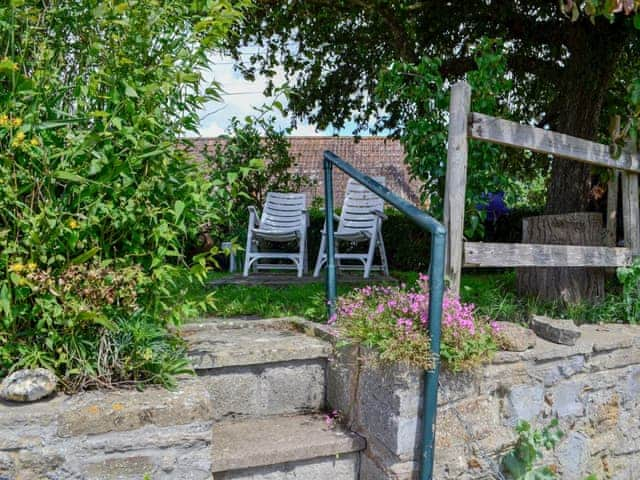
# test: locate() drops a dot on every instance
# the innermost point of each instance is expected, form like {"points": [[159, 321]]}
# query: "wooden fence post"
{"points": [[456, 180], [612, 208], [631, 211]]}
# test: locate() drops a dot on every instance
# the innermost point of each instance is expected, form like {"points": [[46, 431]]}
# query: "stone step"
{"points": [[216, 343], [285, 447], [254, 368]]}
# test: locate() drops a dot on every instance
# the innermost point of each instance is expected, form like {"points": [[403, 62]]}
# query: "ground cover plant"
{"points": [[98, 202], [394, 321]]}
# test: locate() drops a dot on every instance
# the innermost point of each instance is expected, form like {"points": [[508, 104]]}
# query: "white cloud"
{"points": [[211, 130], [240, 98]]}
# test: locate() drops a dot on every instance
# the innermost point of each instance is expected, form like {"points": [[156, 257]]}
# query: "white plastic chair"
{"points": [[360, 221], [284, 219]]}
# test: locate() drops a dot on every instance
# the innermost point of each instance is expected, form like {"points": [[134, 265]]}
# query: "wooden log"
{"points": [[505, 132], [456, 180], [570, 285], [479, 254]]}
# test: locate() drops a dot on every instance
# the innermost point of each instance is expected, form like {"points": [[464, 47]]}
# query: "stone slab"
{"points": [[245, 342], [118, 411], [342, 467], [555, 330], [276, 440], [16, 415], [514, 337]]}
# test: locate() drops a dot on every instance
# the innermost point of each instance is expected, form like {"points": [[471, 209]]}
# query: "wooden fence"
{"points": [[465, 125]]}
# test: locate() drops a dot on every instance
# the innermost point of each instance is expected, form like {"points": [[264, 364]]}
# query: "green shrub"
{"points": [[261, 150], [98, 203]]}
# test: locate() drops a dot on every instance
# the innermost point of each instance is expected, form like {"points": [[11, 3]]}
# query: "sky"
{"points": [[240, 97]]}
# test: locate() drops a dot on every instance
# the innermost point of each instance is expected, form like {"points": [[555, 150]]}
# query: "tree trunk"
{"points": [[570, 285], [595, 51]]}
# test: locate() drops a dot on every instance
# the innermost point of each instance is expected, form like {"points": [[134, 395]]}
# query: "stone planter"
{"points": [[592, 387]]}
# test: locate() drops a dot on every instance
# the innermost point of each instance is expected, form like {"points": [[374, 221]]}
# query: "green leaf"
{"points": [[7, 66], [636, 21], [178, 209], [69, 177], [232, 177], [5, 305], [129, 91], [58, 123], [99, 319], [83, 257], [256, 163]]}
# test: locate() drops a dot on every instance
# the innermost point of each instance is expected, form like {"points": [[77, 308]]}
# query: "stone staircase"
{"points": [[253, 412], [267, 386]]}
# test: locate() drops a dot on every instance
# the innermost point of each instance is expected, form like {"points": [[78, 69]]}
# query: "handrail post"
{"points": [[430, 402], [436, 290], [331, 246]]}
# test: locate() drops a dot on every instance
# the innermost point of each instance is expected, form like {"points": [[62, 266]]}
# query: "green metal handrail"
{"points": [[436, 290]]}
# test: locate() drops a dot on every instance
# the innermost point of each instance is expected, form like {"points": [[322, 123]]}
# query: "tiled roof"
{"points": [[376, 156]]}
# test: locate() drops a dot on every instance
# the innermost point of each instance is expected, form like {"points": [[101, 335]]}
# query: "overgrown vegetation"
{"points": [[98, 204]]}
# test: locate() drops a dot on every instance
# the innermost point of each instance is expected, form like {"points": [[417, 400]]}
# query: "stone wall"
{"points": [[109, 435], [593, 389]]}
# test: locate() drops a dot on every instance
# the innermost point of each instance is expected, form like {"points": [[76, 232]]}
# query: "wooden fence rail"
{"points": [[465, 125]]}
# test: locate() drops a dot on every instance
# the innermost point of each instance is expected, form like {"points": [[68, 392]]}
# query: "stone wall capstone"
{"points": [[109, 435]]}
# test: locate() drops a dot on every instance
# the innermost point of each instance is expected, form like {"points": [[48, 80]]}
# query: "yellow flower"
{"points": [[73, 224], [16, 267], [31, 266], [4, 120], [34, 141], [18, 139], [17, 122]]}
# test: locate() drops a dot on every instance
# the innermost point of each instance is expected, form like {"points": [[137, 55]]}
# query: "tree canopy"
{"points": [[570, 64]]}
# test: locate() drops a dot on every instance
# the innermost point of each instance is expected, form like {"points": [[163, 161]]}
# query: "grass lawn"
{"points": [[494, 295]]}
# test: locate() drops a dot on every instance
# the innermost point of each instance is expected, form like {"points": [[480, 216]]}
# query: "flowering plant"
{"points": [[394, 321]]}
